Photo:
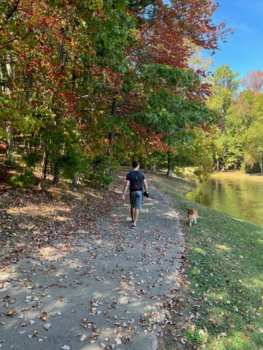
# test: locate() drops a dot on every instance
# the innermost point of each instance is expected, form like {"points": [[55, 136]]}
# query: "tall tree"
{"points": [[224, 91], [171, 108], [254, 145], [253, 80], [225, 78]]}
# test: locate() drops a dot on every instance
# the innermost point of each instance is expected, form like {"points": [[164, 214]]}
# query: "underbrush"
{"points": [[32, 218]]}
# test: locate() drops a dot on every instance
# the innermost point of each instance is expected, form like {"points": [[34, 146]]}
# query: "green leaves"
{"points": [[162, 75], [225, 78], [95, 4], [69, 60]]}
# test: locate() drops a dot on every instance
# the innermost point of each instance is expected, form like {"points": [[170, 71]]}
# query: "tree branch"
{"points": [[13, 10]]}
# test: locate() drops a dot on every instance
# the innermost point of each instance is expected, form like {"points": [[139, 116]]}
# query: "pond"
{"points": [[237, 194]]}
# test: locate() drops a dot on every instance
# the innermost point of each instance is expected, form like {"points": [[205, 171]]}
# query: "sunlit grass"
{"points": [[224, 270], [238, 174], [223, 247], [199, 250]]}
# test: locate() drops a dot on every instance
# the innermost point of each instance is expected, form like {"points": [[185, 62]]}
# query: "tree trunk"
{"points": [[223, 119], [170, 163], [75, 175], [74, 182], [10, 140], [56, 178], [260, 163], [10, 147], [217, 165], [44, 170], [111, 136], [44, 165]]}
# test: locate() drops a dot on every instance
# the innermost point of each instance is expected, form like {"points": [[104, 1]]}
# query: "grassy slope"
{"points": [[224, 273]]}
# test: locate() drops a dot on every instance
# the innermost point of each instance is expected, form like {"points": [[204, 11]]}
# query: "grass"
{"points": [[223, 272]]}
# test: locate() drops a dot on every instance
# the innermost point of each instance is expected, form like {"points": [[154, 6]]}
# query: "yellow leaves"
{"points": [[11, 313], [25, 309], [133, 32], [43, 316], [96, 5]]}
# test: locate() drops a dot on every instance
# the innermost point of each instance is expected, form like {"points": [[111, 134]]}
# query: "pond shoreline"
{"points": [[234, 193]]}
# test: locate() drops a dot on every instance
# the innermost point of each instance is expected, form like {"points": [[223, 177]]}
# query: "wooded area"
{"points": [[239, 138], [87, 85]]}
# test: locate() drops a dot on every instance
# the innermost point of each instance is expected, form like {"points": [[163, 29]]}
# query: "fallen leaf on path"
{"points": [[47, 326], [83, 337], [11, 313]]}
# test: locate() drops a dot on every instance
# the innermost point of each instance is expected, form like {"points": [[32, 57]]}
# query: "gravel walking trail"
{"points": [[108, 290]]}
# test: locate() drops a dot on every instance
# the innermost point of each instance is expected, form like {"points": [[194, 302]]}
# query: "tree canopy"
{"points": [[81, 79], [239, 141]]}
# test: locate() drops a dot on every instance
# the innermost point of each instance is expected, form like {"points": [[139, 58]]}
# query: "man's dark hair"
{"points": [[135, 164]]}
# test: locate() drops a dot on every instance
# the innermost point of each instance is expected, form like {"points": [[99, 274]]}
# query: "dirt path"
{"points": [[109, 290]]}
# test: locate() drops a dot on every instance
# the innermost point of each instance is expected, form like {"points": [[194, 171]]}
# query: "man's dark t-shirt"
{"points": [[136, 178]]}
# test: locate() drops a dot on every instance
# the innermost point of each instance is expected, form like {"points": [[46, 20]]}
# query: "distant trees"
{"points": [[239, 142], [254, 81]]}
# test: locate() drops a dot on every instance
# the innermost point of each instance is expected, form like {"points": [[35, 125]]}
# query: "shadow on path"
{"points": [[103, 291]]}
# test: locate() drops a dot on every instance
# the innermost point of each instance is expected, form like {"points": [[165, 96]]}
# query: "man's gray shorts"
{"points": [[136, 199]]}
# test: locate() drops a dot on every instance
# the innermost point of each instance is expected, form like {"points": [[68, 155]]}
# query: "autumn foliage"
{"points": [[76, 76], [253, 80]]}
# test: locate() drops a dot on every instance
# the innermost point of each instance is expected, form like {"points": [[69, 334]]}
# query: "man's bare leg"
{"points": [[136, 214], [132, 213]]}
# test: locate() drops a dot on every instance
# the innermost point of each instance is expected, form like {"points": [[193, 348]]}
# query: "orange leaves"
{"points": [[168, 34], [149, 139]]}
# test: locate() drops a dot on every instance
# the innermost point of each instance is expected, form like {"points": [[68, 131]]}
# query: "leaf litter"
{"points": [[54, 248]]}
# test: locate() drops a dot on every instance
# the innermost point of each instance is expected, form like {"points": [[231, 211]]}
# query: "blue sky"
{"points": [[243, 51]]}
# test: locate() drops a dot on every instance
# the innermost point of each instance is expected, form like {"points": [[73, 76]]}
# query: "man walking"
{"points": [[135, 181]]}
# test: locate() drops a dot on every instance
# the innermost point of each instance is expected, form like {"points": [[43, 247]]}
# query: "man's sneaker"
{"points": [[134, 226]]}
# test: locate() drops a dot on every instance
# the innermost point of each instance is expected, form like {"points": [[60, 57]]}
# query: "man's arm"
{"points": [[145, 185], [127, 183]]}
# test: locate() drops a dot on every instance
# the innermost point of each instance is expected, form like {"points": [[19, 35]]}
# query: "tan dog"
{"points": [[192, 216]]}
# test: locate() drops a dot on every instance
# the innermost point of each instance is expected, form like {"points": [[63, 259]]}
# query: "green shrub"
{"points": [[31, 159], [9, 163], [99, 176], [24, 179], [99, 180]]}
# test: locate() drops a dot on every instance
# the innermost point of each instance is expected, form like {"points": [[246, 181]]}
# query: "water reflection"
{"points": [[237, 195]]}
